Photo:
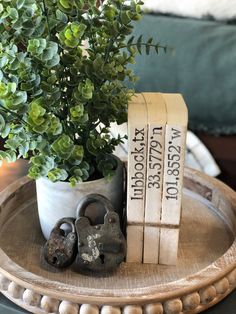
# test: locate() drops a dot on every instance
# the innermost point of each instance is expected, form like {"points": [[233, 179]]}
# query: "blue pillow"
{"points": [[202, 68]]}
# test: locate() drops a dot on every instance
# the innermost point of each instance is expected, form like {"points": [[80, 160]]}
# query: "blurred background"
{"points": [[201, 66]]}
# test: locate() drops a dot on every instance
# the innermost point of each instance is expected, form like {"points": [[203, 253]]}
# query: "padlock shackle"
{"points": [[93, 198], [66, 220]]}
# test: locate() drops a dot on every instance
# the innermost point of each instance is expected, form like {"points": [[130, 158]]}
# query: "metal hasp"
{"points": [[61, 248], [101, 248]]}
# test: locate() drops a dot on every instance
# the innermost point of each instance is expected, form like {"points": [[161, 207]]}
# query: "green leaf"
{"points": [[107, 165], [40, 166], [61, 16], [57, 174], [23, 149], [125, 17], [11, 156], [72, 34], [2, 123], [27, 86], [54, 61], [13, 14], [19, 4], [5, 131], [8, 155], [3, 61], [130, 41], [63, 146], [98, 64], [139, 44], [42, 144], [33, 145], [92, 149], [19, 98], [55, 126], [12, 144], [148, 47], [17, 128], [77, 155], [86, 89], [73, 181], [110, 13], [65, 4], [47, 54], [77, 112], [129, 45], [37, 118]]}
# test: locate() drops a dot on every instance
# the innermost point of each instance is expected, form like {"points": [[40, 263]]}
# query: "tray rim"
{"points": [[154, 294]]}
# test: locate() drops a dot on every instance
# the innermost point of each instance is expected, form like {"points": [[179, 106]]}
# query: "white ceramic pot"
{"points": [[58, 200]]}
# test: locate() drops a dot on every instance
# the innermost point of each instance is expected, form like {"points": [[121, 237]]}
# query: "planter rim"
{"points": [[67, 184]]}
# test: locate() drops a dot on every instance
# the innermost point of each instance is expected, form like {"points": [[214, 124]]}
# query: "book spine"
{"points": [[173, 174], [136, 190], [134, 243], [169, 242], [155, 162], [151, 244], [154, 186], [175, 142]]}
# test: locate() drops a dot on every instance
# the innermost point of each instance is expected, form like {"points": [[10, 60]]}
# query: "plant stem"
{"points": [[14, 114], [112, 41], [108, 50], [47, 19], [143, 44]]}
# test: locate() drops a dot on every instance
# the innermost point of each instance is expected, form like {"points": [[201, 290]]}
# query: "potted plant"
{"points": [[63, 67]]}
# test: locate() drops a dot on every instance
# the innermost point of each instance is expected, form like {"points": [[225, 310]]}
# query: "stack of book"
{"points": [[157, 126]]}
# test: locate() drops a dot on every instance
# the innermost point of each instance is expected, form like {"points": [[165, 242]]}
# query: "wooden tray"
{"points": [[205, 274]]}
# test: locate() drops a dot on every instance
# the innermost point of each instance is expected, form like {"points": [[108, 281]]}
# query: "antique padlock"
{"points": [[101, 247], [61, 248]]}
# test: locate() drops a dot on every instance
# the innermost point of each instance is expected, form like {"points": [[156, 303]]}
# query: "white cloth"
{"points": [[219, 9]]}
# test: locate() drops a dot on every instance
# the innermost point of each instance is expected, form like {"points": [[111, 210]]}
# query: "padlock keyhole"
{"points": [[102, 258], [54, 260]]}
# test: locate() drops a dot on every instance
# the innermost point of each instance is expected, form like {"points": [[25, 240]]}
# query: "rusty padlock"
{"points": [[60, 250], [101, 247]]}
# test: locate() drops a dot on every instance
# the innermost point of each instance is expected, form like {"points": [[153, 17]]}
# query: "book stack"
{"points": [[157, 127], [136, 179]]}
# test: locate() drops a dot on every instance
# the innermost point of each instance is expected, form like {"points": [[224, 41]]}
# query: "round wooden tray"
{"points": [[204, 275]]}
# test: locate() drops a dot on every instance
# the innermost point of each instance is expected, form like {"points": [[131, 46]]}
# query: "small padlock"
{"points": [[60, 250], [102, 247]]}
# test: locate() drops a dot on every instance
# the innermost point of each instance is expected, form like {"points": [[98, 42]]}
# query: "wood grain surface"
{"points": [[205, 273]]}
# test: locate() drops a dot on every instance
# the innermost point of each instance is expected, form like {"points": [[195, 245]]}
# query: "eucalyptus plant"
{"points": [[63, 68]]}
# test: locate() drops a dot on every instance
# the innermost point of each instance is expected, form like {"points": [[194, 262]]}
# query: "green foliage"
{"points": [[37, 118], [106, 165], [63, 146], [41, 166], [57, 174], [63, 67], [85, 90], [71, 35], [45, 51]]}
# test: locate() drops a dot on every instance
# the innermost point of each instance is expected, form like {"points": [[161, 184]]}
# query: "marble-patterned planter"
{"points": [[58, 200]]}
